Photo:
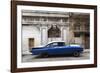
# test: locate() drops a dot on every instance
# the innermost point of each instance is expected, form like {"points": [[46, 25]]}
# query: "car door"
{"points": [[56, 49], [60, 49], [52, 49]]}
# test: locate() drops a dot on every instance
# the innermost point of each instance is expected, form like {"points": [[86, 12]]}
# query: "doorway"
{"points": [[31, 43]]}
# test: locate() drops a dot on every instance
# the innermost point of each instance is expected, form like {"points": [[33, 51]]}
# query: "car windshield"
{"points": [[47, 45]]}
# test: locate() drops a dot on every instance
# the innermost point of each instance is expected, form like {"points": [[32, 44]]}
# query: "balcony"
{"points": [[85, 29]]}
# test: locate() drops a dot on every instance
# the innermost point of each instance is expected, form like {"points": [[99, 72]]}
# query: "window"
{"points": [[76, 34], [77, 27], [54, 32], [65, 20]]}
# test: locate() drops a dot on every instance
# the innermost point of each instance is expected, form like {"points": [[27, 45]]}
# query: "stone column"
{"points": [[43, 30], [64, 34]]}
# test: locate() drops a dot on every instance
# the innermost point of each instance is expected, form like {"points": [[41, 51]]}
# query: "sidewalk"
{"points": [[86, 50]]}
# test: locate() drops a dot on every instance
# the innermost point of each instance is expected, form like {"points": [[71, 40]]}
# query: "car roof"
{"points": [[56, 42]]}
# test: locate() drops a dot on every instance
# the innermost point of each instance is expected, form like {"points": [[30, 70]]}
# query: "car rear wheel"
{"points": [[76, 54], [44, 55]]}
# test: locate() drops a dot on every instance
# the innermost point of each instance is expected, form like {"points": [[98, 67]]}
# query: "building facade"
{"points": [[42, 27]]}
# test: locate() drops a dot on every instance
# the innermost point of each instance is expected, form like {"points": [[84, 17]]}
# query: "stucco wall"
{"points": [[30, 32]]}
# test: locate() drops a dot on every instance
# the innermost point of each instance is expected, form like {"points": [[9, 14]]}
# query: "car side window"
{"points": [[49, 45], [52, 45], [55, 44]]}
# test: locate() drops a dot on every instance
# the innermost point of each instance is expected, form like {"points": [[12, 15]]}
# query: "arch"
{"points": [[54, 32]]}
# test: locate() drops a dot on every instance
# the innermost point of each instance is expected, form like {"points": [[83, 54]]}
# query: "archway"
{"points": [[54, 32]]}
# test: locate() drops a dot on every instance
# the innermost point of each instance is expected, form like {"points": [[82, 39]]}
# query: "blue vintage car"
{"points": [[58, 48]]}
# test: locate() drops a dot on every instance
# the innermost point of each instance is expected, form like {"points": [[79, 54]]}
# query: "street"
{"points": [[32, 58]]}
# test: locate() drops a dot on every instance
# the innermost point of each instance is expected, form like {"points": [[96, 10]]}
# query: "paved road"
{"points": [[32, 58]]}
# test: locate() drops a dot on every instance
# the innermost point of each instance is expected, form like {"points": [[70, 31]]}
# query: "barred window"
{"points": [[76, 34], [54, 31]]}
